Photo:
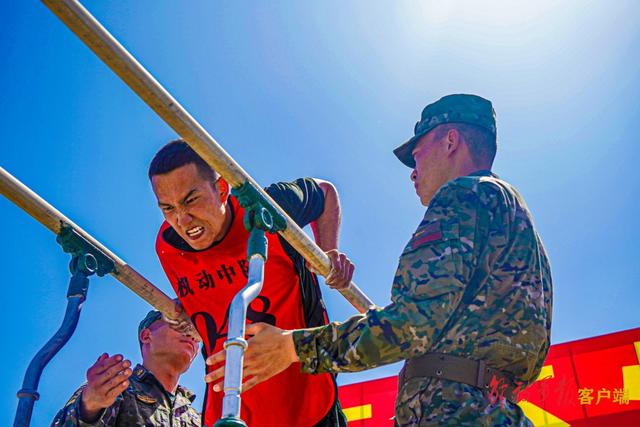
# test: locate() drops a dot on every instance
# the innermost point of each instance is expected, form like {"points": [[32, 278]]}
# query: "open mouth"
{"points": [[195, 232]]}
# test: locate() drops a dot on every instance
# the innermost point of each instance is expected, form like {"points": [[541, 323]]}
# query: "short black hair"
{"points": [[482, 143], [176, 154]]}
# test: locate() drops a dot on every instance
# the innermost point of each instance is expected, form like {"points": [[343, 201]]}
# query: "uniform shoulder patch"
{"points": [[426, 233], [74, 396], [139, 371]]}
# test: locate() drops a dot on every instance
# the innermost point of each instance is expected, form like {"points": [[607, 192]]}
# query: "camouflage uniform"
{"points": [[144, 403], [473, 222]]}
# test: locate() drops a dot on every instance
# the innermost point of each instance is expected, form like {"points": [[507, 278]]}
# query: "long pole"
{"points": [[53, 219], [121, 62]]}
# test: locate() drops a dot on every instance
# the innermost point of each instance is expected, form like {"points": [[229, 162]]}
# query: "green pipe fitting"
{"points": [[259, 212], [257, 244], [85, 256], [230, 422]]}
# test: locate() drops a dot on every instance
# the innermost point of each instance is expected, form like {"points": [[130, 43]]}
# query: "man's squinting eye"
{"points": [[191, 200], [167, 208]]}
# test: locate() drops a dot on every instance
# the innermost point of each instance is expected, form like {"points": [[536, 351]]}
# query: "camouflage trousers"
{"points": [[433, 402]]}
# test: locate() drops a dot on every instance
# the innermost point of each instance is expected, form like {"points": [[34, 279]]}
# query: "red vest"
{"points": [[206, 282]]}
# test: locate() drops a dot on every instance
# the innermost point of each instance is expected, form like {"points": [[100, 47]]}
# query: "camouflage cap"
{"points": [[458, 108], [148, 320]]}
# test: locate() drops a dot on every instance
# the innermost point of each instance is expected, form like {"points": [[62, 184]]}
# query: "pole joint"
{"points": [[259, 213], [28, 393], [86, 258]]}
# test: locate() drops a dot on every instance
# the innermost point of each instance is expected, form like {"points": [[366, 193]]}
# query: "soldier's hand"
{"points": [[106, 379], [270, 351], [341, 271]]}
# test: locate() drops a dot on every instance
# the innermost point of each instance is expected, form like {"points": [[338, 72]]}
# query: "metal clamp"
{"points": [[259, 213], [236, 341]]}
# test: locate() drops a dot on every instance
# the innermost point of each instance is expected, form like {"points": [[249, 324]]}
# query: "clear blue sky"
{"points": [[324, 89]]}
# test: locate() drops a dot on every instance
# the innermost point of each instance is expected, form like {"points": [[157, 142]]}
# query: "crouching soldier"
{"points": [[117, 395]]}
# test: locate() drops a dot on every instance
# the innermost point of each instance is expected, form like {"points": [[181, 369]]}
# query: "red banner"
{"points": [[590, 382]]}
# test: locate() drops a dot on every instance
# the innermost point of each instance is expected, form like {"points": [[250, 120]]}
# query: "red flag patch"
{"points": [[425, 234]]}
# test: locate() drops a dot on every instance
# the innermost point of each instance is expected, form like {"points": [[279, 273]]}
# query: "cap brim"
{"points": [[404, 152], [152, 317]]}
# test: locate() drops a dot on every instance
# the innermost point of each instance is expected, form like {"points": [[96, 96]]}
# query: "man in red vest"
{"points": [[202, 247]]}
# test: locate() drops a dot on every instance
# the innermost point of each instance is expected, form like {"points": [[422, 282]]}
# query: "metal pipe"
{"points": [[121, 62], [236, 344], [29, 392], [26, 199]]}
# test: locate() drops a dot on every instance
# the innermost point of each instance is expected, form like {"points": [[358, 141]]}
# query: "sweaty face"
{"points": [[194, 206], [170, 346], [432, 166]]}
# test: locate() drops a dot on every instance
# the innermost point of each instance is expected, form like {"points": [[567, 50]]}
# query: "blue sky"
{"points": [[323, 89]]}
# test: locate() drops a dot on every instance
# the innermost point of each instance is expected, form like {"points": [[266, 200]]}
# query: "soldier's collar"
{"points": [[142, 374], [483, 172], [186, 393]]}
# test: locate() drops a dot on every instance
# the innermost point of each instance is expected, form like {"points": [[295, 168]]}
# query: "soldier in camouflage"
{"points": [[471, 299], [148, 395]]}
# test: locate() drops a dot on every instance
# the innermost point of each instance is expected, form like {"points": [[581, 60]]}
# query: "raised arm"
{"points": [[326, 230], [315, 202], [106, 379], [326, 227]]}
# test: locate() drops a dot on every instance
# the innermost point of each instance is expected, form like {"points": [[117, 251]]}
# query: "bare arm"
{"points": [[326, 228]]}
